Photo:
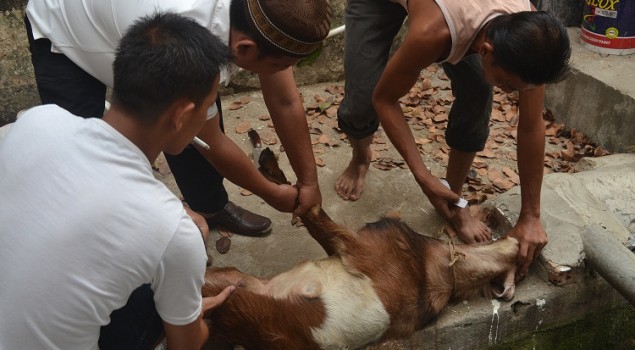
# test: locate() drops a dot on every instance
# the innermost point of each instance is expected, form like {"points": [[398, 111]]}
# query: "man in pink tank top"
{"points": [[480, 44]]}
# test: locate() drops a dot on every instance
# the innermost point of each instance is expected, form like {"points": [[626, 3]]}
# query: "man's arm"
{"points": [[188, 337], [194, 335], [530, 153], [233, 164], [285, 106], [421, 48]]}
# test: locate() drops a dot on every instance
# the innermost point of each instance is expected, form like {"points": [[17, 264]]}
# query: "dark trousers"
{"points": [[197, 179], [371, 26], [135, 326], [62, 82]]}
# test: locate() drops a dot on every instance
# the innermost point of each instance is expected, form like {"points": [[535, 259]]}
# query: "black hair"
{"points": [[533, 45], [164, 57], [238, 21]]}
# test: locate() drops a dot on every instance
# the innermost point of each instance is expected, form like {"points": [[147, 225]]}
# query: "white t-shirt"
{"points": [[83, 223], [88, 31]]}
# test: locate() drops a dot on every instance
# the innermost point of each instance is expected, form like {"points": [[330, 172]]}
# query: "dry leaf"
{"points": [[422, 141], [243, 127], [315, 131], [335, 89], [223, 244], [324, 139], [379, 140], [235, 105], [514, 120], [224, 233], [440, 118], [487, 154], [498, 116], [269, 139], [479, 165], [511, 174], [331, 112]]}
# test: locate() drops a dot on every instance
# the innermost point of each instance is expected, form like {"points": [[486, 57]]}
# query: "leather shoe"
{"points": [[239, 221]]}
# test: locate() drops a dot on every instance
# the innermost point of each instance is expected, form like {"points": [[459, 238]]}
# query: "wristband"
{"points": [[461, 203]]}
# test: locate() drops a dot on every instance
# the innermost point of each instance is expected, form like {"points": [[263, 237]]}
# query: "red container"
{"points": [[608, 26]]}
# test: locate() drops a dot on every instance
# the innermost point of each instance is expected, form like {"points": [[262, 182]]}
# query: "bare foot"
{"points": [[350, 184], [469, 228]]}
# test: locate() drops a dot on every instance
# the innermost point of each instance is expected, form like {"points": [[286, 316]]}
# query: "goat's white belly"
{"points": [[354, 314]]}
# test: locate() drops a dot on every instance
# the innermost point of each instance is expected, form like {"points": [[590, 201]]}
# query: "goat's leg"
{"points": [[319, 224], [217, 278], [332, 237]]}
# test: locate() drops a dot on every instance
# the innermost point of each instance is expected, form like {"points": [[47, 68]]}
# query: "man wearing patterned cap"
{"points": [[73, 46]]}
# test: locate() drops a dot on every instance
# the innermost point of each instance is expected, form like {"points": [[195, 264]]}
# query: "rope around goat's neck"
{"points": [[455, 254]]}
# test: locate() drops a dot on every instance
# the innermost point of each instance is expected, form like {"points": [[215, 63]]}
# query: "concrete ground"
{"points": [[562, 288]]}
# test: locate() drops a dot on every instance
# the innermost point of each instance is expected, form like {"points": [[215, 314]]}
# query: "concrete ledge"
{"points": [[537, 309], [562, 288], [571, 203], [598, 98]]}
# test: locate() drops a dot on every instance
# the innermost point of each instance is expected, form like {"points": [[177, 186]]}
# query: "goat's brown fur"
{"points": [[410, 274]]}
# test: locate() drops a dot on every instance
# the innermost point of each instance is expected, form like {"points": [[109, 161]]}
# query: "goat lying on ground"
{"points": [[383, 282]]}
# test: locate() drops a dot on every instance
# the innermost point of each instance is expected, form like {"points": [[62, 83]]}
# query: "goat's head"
{"points": [[488, 269], [502, 286]]}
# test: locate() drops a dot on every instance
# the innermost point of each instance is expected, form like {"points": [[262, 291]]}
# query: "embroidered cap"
{"points": [[296, 27]]}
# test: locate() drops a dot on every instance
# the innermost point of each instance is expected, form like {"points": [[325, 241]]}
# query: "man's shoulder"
{"points": [[427, 22], [44, 119]]}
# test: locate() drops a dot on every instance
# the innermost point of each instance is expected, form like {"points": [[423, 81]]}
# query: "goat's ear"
{"points": [[402, 245], [504, 286]]}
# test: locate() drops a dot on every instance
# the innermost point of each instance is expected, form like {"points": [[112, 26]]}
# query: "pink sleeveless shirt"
{"points": [[466, 18]]}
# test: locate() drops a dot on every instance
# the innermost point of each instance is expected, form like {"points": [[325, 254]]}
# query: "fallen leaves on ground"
{"points": [[426, 108]]}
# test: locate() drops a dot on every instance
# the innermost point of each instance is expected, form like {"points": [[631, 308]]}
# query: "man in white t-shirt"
{"points": [[94, 251], [72, 45]]}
